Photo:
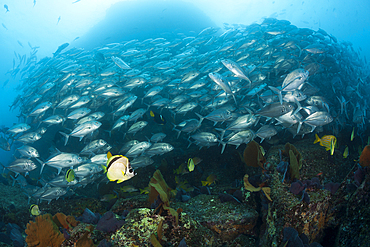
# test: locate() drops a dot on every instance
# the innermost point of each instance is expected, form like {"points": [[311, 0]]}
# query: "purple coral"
{"points": [[359, 175], [109, 223], [89, 217], [332, 187], [292, 239], [297, 187], [314, 183]]}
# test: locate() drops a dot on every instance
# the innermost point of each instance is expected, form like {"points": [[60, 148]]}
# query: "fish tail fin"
{"points": [[104, 168], [66, 136], [299, 126], [299, 107], [317, 139], [222, 132], [223, 146], [200, 118], [278, 92], [178, 133], [204, 183], [110, 132], [13, 180], [42, 165], [116, 193], [236, 103]]}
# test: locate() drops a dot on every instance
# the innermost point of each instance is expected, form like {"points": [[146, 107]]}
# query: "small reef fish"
{"points": [[158, 118], [346, 152], [184, 185], [353, 134], [145, 190], [210, 180], [332, 146], [182, 169], [109, 197], [70, 175], [128, 189], [118, 168], [34, 210], [191, 165], [326, 141]]}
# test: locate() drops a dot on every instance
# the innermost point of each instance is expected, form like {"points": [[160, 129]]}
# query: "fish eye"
{"points": [[131, 170]]}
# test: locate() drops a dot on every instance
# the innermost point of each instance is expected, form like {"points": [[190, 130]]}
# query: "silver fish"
{"points": [[128, 145], [159, 149], [22, 166], [141, 161], [28, 151], [79, 113], [40, 108], [266, 131], [235, 68], [138, 149], [137, 127], [238, 138], [275, 109], [120, 63], [157, 137], [82, 130], [223, 83], [18, 128], [29, 137], [62, 160], [60, 181], [93, 146], [52, 193], [87, 170]]}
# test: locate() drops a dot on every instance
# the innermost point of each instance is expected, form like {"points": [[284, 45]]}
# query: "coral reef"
{"points": [[227, 220], [365, 157], [303, 205], [159, 187], [64, 221], [44, 232], [253, 155], [109, 223]]}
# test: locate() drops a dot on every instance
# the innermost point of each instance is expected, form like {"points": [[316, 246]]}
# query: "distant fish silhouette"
{"points": [[60, 48], [76, 1], [6, 7], [20, 43], [58, 20], [34, 3], [4, 26]]}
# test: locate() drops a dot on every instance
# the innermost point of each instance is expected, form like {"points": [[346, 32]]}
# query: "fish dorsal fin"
{"points": [[152, 114], [109, 155]]}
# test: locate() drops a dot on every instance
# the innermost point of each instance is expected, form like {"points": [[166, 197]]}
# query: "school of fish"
{"points": [[218, 87]]}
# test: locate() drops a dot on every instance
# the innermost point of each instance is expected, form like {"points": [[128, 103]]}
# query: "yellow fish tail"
{"points": [[104, 168], [317, 139], [204, 183]]}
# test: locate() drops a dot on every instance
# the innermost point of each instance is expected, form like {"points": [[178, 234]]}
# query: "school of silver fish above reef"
{"points": [[219, 87]]}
